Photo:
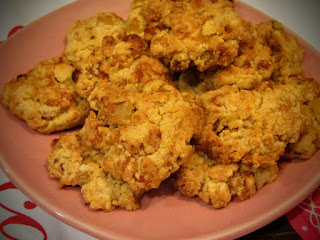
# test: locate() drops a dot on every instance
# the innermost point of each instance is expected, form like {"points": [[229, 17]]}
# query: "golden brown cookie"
{"points": [[84, 47], [85, 38], [252, 126], [307, 92], [127, 62], [272, 54], [145, 136], [45, 97], [287, 53], [189, 33], [218, 184], [75, 163], [249, 70]]}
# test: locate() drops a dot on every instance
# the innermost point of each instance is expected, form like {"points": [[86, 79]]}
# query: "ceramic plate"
{"points": [[164, 213]]}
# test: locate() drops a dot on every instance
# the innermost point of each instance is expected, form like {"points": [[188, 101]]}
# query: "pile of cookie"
{"points": [[183, 89]]}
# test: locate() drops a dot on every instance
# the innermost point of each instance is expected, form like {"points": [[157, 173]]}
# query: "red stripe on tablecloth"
{"points": [[305, 218]]}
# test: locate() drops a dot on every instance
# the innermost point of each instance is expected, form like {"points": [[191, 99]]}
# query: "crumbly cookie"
{"points": [[84, 47], [218, 184], [127, 62], [142, 112], [252, 126], [75, 163], [307, 93], [249, 70], [145, 136], [287, 53], [85, 38], [45, 97], [294, 100], [190, 33], [272, 54]]}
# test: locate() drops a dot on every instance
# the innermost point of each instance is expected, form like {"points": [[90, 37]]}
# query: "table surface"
{"points": [[290, 12], [277, 230]]}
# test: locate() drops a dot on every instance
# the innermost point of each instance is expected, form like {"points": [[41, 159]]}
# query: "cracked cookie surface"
{"points": [[218, 184], [75, 163], [184, 34], [255, 126], [84, 47], [145, 135], [45, 97]]}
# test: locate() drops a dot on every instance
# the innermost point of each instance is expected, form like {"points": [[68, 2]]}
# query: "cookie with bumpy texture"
{"points": [[288, 55], [127, 71], [127, 62], [75, 163], [250, 69], [273, 55], [307, 93], [85, 37], [145, 136], [189, 33], [293, 98], [251, 126], [84, 47], [138, 107], [218, 184], [45, 97]]}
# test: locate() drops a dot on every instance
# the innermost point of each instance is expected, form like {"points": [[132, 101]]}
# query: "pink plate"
{"points": [[164, 214]]}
